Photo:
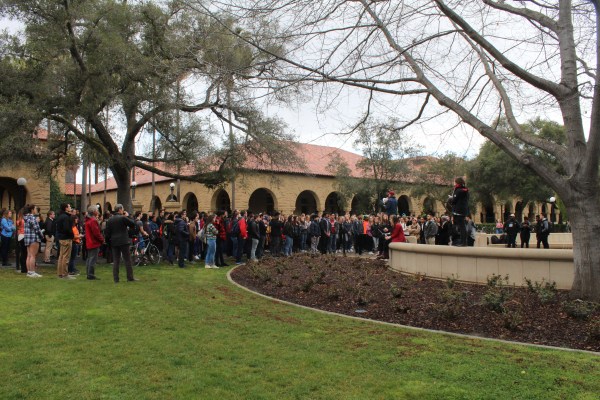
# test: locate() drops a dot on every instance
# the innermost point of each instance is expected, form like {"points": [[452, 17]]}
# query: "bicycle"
{"points": [[144, 249]]}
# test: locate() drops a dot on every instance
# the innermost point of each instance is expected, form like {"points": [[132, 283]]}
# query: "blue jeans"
{"points": [[287, 249], [74, 251], [234, 249], [303, 236], [240, 249], [332, 243], [211, 249], [254, 247]]}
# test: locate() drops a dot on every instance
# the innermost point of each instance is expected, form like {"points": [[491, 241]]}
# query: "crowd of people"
{"points": [[243, 234]]}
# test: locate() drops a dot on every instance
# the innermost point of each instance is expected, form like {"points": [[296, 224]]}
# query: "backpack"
{"points": [[202, 235]]}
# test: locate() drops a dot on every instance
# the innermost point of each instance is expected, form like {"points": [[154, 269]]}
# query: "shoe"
{"points": [[133, 280], [214, 267], [207, 266], [67, 277], [93, 278], [196, 258], [33, 275], [74, 273], [224, 265]]}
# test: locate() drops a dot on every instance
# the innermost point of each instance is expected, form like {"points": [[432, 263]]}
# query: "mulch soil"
{"points": [[368, 288]]}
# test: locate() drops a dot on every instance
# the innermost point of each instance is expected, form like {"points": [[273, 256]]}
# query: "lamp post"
{"points": [[22, 182], [133, 186], [171, 196]]}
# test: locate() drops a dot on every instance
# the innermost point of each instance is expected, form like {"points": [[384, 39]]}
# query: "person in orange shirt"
{"points": [[76, 243]]}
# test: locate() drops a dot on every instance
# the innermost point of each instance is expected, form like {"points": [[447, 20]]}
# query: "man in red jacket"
{"points": [[93, 240]]}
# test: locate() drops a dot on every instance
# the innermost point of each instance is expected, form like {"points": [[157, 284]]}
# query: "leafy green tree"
{"points": [[493, 173], [120, 67], [434, 177], [386, 151]]}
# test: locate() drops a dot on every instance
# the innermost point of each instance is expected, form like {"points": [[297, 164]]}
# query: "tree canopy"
{"points": [[124, 68]]}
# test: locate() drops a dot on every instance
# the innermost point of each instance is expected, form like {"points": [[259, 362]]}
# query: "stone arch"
{"points": [[334, 203], [155, 205], [221, 201], [488, 214], [12, 196], [108, 207], [531, 213], [307, 203], [361, 204], [404, 206], [429, 206], [519, 210], [190, 202], [262, 200]]}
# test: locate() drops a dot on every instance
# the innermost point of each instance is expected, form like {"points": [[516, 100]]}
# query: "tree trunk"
{"points": [[584, 216], [122, 177]]}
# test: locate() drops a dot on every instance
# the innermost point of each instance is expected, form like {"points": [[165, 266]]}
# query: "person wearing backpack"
{"points": [[512, 228]]}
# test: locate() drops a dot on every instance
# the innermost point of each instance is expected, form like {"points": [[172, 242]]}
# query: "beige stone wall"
{"points": [[476, 264], [284, 188], [37, 188]]}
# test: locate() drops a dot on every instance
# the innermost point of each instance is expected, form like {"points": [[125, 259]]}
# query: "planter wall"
{"points": [[476, 264]]}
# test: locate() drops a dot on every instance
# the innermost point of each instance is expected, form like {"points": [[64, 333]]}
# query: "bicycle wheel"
{"points": [[153, 254], [135, 256]]}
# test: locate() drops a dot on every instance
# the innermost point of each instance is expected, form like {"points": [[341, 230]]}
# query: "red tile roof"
{"points": [[71, 187], [316, 159]]}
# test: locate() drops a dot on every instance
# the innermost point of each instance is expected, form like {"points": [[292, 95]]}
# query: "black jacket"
{"points": [[64, 227], [117, 230], [460, 201]]}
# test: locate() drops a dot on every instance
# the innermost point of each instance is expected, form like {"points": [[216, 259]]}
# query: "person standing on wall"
{"points": [[460, 209]]}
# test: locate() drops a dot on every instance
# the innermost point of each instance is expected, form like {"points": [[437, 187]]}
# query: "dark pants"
{"points": [[21, 253], [461, 228], [543, 238], [275, 245], [183, 252], [219, 258], [119, 251], [240, 249], [4, 249], [323, 244], [511, 240], [260, 249], [72, 259], [90, 262], [525, 239], [358, 244]]}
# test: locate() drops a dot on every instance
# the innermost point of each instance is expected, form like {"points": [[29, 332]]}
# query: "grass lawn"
{"points": [[189, 333]]}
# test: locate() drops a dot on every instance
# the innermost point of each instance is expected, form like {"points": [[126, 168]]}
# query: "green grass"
{"points": [[180, 334]]}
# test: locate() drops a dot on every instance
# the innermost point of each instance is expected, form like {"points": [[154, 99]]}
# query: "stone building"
{"points": [[288, 189]]}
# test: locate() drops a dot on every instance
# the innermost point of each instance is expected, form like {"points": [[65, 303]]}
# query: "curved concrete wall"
{"points": [[476, 264]]}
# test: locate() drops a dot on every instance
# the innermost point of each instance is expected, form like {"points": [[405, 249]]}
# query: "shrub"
{"points": [[306, 286], [512, 315], [546, 291], [451, 302], [451, 281], [497, 294], [333, 294], [579, 309], [595, 330], [396, 291]]}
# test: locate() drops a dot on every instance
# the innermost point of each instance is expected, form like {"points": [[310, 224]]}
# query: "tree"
{"points": [[494, 173], [121, 67], [434, 177], [387, 152], [478, 60]]}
